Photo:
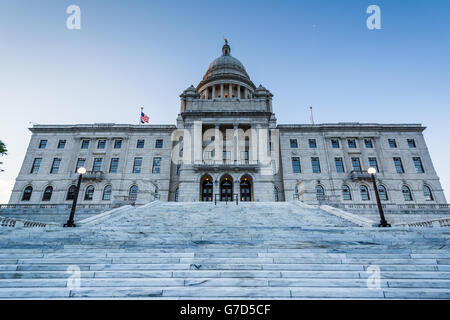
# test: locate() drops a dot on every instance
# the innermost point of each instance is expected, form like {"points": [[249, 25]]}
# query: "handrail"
{"points": [[234, 197]]}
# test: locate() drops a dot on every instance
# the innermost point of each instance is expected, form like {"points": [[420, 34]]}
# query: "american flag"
{"points": [[144, 117]]}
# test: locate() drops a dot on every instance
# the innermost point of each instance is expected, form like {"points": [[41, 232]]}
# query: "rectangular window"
{"points": [[294, 143], [42, 144], [315, 163], [117, 144], [156, 165], [178, 169], [399, 165], [296, 168], [101, 144], [418, 165], [80, 163], [356, 164], [61, 144], [140, 144], [312, 143], [114, 165], [368, 143], [392, 143], [159, 144], [339, 165], [373, 163], [55, 165], [97, 164], [351, 143], [85, 144], [335, 143], [412, 143], [36, 165], [137, 166]]}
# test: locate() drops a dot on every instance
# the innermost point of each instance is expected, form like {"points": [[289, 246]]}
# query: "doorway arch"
{"points": [[226, 188], [246, 189], [206, 188]]}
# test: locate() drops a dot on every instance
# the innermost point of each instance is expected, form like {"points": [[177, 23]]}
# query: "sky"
{"points": [[136, 53]]}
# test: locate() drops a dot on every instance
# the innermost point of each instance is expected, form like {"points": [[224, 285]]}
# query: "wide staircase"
{"points": [[206, 251]]}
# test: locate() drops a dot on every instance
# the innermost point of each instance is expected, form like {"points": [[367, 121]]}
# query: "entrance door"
{"points": [[226, 190], [207, 189], [246, 190]]}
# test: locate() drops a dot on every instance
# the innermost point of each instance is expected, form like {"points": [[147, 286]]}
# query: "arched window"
{"points": [[320, 193], [382, 193], [364, 191], [427, 193], [132, 194], [296, 189], [89, 194], [176, 195], [275, 191], [71, 193], [47, 194], [407, 193], [346, 193], [27, 193], [107, 191]]}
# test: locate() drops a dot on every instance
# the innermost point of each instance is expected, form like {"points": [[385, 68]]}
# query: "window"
{"points": [[275, 193], [156, 165], [117, 144], [392, 143], [43, 144], [97, 164], [411, 143], [137, 166], [364, 191], [320, 193], [47, 196], [107, 191], [399, 165], [382, 193], [346, 193], [339, 165], [132, 194], [71, 193], [351, 143], [418, 165], [335, 143], [85, 144], [296, 168], [427, 193], [61, 144], [368, 143], [114, 165], [36, 165], [89, 194], [140, 144], [26, 196], [159, 144], [356, 164], [294, 143], [176, 195], [373, 163], [80, 163], [315, 163], [101, 144], [312, 143], [55, 166], [407, 195], [178, 169]]}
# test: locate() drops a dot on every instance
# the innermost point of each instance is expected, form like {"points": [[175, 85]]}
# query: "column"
{"points": [[213, 91], [218, 144], [246, 93], [221, 90], [198, 142], [238, 95], [230, 90], [235, 143]]}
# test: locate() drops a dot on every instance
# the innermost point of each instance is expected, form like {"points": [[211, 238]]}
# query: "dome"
{"points": [[226, 67]]}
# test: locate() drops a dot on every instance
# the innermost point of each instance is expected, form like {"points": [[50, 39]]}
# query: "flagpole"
{"points": [[140, 115]]}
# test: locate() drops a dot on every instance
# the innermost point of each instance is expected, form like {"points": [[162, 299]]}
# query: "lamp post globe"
{"points": [[70, 223], [383, 223]]}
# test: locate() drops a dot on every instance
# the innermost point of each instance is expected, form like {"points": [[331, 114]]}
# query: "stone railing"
{"points": [[13, 223], [62, 206], [437, 223], [393, 206]]}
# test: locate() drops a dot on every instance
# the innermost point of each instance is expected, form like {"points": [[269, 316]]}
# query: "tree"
{"points": [[3, 151]]}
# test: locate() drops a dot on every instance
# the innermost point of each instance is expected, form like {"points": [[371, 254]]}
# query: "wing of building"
{"points": [[227, 145]]}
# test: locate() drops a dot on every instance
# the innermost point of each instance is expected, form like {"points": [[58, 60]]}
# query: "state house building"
{"points": [[227, 144]]}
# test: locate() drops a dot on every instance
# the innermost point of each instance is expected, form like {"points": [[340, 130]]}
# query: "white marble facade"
{"points": [[227, 138]]}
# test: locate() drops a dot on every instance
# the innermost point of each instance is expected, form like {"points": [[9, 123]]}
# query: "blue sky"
{"points": [[132, 53]]}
